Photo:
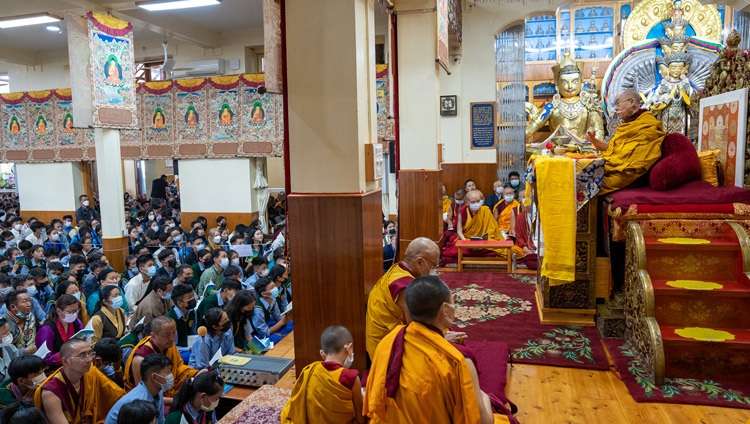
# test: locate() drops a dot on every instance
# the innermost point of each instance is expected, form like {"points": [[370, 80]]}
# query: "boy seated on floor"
{"points": [[328, 391]]}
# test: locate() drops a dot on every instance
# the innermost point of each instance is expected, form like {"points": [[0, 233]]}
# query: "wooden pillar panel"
{"points": [[116, 250], [420, 207], [484, 174], [336, 256]]}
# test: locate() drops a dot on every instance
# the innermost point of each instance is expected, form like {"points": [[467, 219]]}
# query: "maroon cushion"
{"points": [[679, 163]]}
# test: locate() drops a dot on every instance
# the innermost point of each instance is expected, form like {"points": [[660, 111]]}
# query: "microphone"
{"points": [[202, 331]]}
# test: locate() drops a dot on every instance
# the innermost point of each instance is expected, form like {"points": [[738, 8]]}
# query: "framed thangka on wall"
{"points": [[158, 117], [14, 126], [224, 114], [191, 113], [66, 134], [722, 127]]}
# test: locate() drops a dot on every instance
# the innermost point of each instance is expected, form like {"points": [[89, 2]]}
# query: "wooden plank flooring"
{"points": [[552, 395]]}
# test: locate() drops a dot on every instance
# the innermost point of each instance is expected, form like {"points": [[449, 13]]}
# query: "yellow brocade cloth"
{"points": [[632, 151], [446, 204], [435, 384], [557, 213], [319, 397]]}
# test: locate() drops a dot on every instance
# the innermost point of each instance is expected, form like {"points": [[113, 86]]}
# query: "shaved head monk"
{"points": [[77, 392], [419, 377], [386, 305], [634, 148]]}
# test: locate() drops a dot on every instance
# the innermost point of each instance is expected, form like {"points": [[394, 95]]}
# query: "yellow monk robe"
{"points": [[322, 394], [99, 396], [632, 151], [447, 204], [383, 314], [180, 371], [484, 222], [503, 217], [430, 378]]}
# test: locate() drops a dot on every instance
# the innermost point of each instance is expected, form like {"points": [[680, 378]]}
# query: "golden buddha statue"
{"points": [[578, 111]]}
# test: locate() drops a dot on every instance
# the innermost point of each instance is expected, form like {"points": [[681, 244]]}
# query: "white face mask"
{"points": [[169, 382], [86, 203], [211, 407], [475, 206], [459, 202], [499, 190], [77, 295], [7, 340], [235, 261], [54, 237], [224, 263], [36, 381], [217, 239], [69, 318], [151, 217], [17, 227]]}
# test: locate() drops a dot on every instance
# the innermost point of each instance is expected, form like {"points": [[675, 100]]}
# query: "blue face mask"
{"points": [[515, 183], [275, 292], [52, 278], [151, 271], [509, 198], [167, 296]]}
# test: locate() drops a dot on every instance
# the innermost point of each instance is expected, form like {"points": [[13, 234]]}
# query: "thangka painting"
{"points": [[722, 127], [382, 101], [66, 134], [224, 114], [257, 122], [14, 126], [158, 117], [112, 67], [42, 126], [190, 116], [442, 34]]}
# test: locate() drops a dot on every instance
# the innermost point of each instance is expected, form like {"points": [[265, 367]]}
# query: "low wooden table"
{"points": [[284, 349], [483, 260]]}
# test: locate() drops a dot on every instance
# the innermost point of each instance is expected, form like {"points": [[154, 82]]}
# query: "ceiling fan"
{"points": [[167, 66]]}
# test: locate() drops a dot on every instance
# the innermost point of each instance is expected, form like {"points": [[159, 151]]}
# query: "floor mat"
{"points": [[502, 307]]}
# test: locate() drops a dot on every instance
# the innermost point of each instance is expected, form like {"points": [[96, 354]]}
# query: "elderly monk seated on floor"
{"points": [[504, 211], [419, 377], [634, 148], [474, 220], [386, 304], [77, 392]]}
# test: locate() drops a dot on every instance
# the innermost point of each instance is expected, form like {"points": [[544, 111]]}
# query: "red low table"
{"points": [[483, 260]]}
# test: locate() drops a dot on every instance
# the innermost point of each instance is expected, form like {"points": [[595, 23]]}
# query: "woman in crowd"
{"points": [[70, 286], [197, 399], [36, 259], [218, 337], [214, 239], [61, 324], [134, 239], [109, 319], [106, 277], [240, 310], [54, 241], [257, 243], [224, 238]]}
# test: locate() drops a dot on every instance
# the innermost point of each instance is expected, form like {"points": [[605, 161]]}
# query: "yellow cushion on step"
{"points": [[704, 334], [694, 285], [681, 240], [709, 160]]}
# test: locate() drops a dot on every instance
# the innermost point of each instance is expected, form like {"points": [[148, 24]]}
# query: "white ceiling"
{"points": [[201, 26]]}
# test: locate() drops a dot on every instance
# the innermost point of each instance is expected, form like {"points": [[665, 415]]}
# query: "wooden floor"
{"points": [[566, 395]]}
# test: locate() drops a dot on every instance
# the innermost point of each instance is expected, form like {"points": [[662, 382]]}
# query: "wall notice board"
{"points": [[483, 127]]}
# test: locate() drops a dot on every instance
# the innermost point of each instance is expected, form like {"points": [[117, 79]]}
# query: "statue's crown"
{"points": [[679, 56], [566, 66], [676, 26]]}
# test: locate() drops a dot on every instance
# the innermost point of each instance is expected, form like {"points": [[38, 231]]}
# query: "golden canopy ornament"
{"points": [[704, 19]]}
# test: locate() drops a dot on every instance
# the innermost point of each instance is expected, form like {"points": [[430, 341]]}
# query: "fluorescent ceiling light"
{"points": [[157, 5], [23, 20], [55, 28]]}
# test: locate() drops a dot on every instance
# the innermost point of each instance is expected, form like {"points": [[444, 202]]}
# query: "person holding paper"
{"points": [[156, 370], [217, 339], [62, 324], [268, 322], [328, 391]]}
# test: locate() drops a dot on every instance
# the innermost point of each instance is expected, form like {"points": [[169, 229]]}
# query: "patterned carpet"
{"points": [[262, 407], [677, 390], [502, 307]]}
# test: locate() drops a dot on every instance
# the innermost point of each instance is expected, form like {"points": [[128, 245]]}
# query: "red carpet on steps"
{"points": [[502, 307], [674, 390]]}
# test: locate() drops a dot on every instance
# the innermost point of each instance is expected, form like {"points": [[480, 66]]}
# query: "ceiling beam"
{"points": [[172, 26], [20, 56]]}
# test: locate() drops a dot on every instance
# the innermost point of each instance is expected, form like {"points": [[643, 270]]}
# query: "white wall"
{"points": [[49, 186], [52, 73], [216, 185], [129, 176], [473, 79]]}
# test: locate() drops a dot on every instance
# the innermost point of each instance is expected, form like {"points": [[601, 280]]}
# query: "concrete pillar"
{"points": [[213, 187], [110, 183], [49, 190], [331, 112], [420, 177]]}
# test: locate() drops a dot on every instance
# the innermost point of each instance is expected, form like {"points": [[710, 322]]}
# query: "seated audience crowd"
{"points": [[84, 339]]}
